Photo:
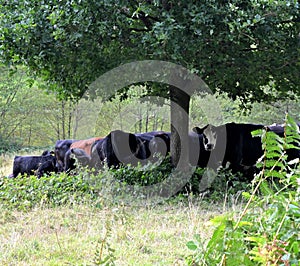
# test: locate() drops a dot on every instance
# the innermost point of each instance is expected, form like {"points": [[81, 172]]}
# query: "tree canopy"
{"points": [[234, 46]]}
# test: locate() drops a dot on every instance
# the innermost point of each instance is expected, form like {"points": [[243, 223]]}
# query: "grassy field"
{"points": [[81, 234], [152, 235]]}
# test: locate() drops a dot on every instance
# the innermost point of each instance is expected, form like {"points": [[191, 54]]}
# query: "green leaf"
{"points": [[192, 245], [256, 239]]}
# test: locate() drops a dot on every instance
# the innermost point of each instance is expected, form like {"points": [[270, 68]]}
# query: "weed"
{"points": [[104, 254]]}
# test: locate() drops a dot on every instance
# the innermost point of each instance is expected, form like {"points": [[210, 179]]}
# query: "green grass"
{"points": [[150, 235]]}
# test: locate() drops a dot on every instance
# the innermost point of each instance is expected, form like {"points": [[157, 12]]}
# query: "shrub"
{"points": [[25, 192], [9, 145], [143, 175]]}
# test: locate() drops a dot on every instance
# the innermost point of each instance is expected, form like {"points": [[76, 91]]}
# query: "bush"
{"points": [[143, 175], [267, 231], [120, 184], [25, 192]]}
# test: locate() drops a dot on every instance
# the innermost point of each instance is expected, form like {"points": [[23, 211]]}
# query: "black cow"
{"points": [[30, 165], [118, 147], [142, 147], [61, 148], [49, 166], [233, 143], [156, 143]]}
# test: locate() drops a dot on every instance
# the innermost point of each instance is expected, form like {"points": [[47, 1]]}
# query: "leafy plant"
{"points": [[104, 254], [25, 192], [267, 231], [144, 175]]}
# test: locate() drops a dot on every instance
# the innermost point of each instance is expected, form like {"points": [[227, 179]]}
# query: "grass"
{"points": [[6, 164], [150, 235], [79, 234]]}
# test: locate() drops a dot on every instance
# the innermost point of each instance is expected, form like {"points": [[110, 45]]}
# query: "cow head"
{"points": [[48, 164], [61, 147], [210, 136], [47, 152]]}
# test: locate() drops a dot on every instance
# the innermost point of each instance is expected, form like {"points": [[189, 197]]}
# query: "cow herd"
{"points": [[227, 145]]}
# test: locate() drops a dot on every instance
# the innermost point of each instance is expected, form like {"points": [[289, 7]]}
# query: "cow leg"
{"points": [[16, 171], [45, 168]]}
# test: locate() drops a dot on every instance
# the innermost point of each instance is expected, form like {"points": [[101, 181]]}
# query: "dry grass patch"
{"points": [[6, 164]]}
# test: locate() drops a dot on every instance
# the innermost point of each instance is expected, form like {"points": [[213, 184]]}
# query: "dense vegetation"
{"points": [[238, 46], [267, 231]]}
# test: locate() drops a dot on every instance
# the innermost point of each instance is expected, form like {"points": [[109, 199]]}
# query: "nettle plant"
{"points": [[267, 232]]}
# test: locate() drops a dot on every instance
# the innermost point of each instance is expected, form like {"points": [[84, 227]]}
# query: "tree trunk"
{"points": [[147, 119], [63, 120], [70, 112], [179, 128]]}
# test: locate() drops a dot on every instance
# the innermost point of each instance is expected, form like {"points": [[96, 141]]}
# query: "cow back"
{"points": [[85, 144]]}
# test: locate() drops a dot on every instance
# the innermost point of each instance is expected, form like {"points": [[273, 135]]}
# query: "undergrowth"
{"points": [[267, 230], [132, 185], [26, 192]]}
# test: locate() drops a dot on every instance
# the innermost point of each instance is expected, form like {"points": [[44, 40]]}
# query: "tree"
{"points": [[28, 115], [235, 47]]}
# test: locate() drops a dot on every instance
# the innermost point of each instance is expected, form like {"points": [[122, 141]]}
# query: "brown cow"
{"points": [[85, 144], [80, 147]]}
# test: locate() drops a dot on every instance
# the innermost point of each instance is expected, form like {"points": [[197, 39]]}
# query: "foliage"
{"points": [[29, 116], [122, 184], [144, 175], [133, 113], [28, 120], [267, 231], [6, 145], [231, 111], [26, 192], [235, 47]]}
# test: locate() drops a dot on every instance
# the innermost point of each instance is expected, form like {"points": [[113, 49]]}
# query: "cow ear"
{"points": [[199, 130]]}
